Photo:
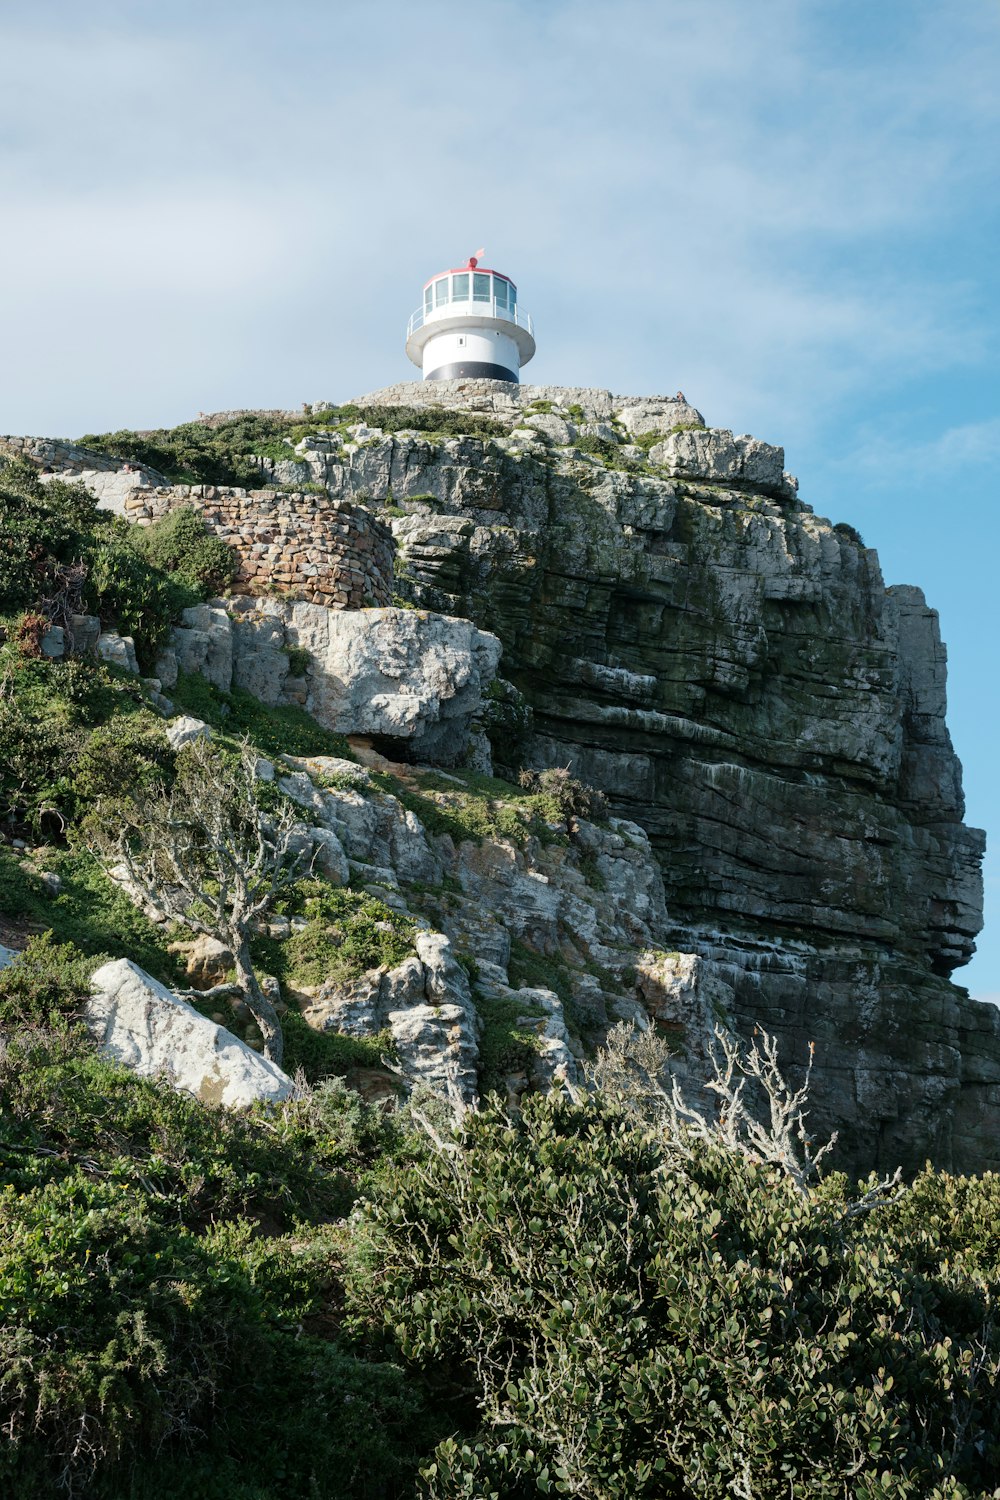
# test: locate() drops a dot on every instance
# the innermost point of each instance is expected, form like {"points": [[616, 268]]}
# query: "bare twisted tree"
{"points": [[203, 852]]}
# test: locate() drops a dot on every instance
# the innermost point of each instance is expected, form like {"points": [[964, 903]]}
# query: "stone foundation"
{"points": [[304, 546]]}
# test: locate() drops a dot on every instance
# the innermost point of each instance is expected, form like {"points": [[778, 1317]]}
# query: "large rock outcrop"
{"points": [[730, 669], [403, 675], [733, 672]]}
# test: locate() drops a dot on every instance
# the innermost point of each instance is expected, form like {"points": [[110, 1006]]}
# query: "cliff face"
{"points": [[731, 670]]}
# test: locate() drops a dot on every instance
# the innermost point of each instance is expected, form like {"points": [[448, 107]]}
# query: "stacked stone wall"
{"points": [[53, 454], [304, 546]]}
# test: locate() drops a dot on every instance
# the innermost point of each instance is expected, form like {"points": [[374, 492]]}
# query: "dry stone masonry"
{"points": [[329, 552]]}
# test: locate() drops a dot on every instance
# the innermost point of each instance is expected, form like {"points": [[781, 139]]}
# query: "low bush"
{"points": [[346, 932], [641, 1313], [181, 543]]}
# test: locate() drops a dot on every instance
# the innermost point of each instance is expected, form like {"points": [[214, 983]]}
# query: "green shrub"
{"points": [[299, 660], [346, 932], [640, 1314], [566, 796], [180, 542], [195, 453], [506, 1045], [137, 1355], [603, 448], [44, 528], [48, 711]]}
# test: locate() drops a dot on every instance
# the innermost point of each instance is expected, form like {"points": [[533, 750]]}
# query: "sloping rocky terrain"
{"points": [[732, 671], [766, 719]]}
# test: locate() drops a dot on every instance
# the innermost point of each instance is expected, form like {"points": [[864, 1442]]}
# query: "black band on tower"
{"points": [[472, 369]]}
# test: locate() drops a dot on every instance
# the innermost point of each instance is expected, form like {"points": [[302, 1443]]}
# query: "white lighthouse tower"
{"points": [[469, 324]]}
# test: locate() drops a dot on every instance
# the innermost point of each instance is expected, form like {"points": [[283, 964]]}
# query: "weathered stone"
{"points": [[207, 962], [741, 683], [166, 668], [185, 730], [717, 455], [118, 650], [84, 631], [53, 642], [204, 644], [138, 1022], [391, 673]]}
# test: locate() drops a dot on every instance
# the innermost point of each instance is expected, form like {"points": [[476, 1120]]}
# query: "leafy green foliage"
{"points": [[642, 1316], [507, 1045], [604, 448], [165, 1274], [60, 555], [195, 453], [42, 528], [346, 932], [49, 713], [226, 452], [181, 543]]}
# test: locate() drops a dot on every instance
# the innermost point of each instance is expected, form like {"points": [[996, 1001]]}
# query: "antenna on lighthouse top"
{"points": [[475, 259]]}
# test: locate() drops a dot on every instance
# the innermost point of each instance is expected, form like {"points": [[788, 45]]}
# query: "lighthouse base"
{"points": [[472, 369]]}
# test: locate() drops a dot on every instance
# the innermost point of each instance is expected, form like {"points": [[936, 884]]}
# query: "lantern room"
{"points": [[469, 325]]}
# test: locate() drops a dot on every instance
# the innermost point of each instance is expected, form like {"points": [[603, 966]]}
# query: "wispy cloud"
{"points": [[743, 200]]}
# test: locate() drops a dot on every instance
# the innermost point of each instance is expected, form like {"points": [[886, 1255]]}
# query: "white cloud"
{"points": [[713, 196]]}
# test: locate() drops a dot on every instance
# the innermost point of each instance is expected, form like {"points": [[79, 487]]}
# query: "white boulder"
{"points": [[185, 730], [137, 1021]]}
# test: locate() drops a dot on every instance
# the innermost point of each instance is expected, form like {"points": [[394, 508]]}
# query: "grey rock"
{"points": [[397, 674], [204, 644], [166, 668], [118, 650], [718, 455], [138, 1022], [84, 631], [53, 642], [184, 730], [8, 956]]}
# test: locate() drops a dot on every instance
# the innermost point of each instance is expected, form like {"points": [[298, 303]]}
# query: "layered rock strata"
{"points": [[733, 672]]}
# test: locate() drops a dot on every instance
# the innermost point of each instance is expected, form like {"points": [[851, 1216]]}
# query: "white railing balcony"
{"points": [[472, 307]]}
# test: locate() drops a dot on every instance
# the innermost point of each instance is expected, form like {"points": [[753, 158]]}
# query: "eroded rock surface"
{"points": [[732, 670], [139, 1022], [405, 675]]}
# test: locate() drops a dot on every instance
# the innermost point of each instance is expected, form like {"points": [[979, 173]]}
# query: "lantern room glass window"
{"points": [[428, 298], [460, 287], [511, 295], [441, 292], [500, 291], [480, 287]]}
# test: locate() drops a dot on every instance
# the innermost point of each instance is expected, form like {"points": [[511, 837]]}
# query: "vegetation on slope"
{"points": [[591, 1297], [226, 452]]}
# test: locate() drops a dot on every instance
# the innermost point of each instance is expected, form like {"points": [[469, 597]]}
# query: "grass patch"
{"points": [[90, 911], [285, 729], [346, 933], [505, 1046], [468, 806]]}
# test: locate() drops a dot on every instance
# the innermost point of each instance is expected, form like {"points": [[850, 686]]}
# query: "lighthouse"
{"points": [[470, 324]]}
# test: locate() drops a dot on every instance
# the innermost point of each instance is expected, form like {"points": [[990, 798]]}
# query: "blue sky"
{"points": [[788, 209]]}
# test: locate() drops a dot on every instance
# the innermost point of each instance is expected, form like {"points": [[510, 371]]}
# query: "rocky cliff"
{"points": [[681, 631], [732, 671]]}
